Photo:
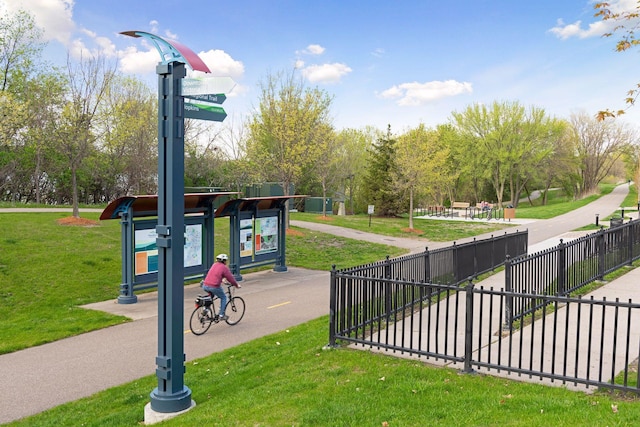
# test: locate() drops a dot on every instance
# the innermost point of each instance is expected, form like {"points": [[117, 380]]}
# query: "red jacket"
{"points": [[218, 271]]}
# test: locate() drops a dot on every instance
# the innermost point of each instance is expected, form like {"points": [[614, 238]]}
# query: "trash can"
{"points": [[509, 213], [615, 222]]}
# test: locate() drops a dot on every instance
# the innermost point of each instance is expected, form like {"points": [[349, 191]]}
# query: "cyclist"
{"points": [[213, 282]]}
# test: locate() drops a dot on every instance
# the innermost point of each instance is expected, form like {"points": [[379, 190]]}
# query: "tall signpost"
{"points": [[171, 396]]}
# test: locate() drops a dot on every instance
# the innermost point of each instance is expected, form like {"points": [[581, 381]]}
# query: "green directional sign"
{"points": [[215, 99], [202, 111]]}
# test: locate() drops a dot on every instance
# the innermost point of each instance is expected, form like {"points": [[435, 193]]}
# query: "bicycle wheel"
{"points": [[199, 323], [234, 310]]}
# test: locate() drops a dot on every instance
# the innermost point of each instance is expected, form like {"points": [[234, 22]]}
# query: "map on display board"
{"points": [[266, 234], [146, 251]]}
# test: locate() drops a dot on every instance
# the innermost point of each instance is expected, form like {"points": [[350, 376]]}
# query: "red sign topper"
{"points": [[171, 50]]}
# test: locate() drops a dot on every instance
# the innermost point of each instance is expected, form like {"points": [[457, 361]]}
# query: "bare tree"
{"points": [[600, 143], [89, 80]]}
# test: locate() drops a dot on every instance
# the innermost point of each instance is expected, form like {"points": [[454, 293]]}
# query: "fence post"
{"points": [[454, 250], [493, 252], [427, 266], [332, 307], [475, 257], [562, 278], [508, 286], [387, 287], [468, 328], [600, 248], [629, 235]]}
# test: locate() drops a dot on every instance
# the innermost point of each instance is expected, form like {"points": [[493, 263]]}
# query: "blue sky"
{"points": [[385, 62]]}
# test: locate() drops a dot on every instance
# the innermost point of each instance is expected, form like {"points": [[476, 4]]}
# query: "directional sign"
{"points": [[202, 111], [215, 99], [206, 85]]}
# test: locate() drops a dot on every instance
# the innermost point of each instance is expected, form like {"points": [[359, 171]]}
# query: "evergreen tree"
{"points": [[379, 185]]}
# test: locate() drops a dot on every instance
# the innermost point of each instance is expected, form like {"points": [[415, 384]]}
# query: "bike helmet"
{"points": [[222, 257]]}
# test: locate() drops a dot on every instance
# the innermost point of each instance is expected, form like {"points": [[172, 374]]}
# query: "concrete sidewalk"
{"points": [[42, 377]]}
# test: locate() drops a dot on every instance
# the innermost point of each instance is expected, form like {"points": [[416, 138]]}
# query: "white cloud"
{"points": [[170, 35], [222, 64], [378, 53], [325, 73], [134, 61], [415, 94], [312, 49], [53, 16], [597, 29]]}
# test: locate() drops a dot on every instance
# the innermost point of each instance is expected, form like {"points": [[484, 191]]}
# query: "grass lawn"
{"points": [[434, 230], [558, 204], [287, 379]]}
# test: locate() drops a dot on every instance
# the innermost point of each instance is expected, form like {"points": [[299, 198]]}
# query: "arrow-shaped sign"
{"points": [[214, 99], [206, 85], [202, 111]]}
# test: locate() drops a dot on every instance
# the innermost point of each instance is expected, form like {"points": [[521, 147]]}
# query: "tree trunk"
{"points": [[37, 177], [411, 208], [324, 197], [74, 193]]}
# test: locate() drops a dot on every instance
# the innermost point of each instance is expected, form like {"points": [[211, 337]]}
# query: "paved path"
{"points": [[42, 377]]}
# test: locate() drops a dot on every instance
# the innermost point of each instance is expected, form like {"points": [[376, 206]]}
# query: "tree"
{"points": [[379, 185], [44, 102], [327, 169], [30, 102], [562, 167], [286, 134], [19, 47], [533, 147], [600, 144], [460, 166], [128, 129], [89, 80], [420, 159], [509, 140], [352, 146]]}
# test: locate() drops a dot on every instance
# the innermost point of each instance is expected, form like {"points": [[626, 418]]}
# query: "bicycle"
{"points": [[205, 312]]}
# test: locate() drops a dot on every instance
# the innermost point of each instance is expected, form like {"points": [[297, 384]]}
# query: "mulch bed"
{"points": [[78, 222]]}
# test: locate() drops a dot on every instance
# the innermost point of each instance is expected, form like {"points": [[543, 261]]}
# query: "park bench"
{"points": [[460, 206]]}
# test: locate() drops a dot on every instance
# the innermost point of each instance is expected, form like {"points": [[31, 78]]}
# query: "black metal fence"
{"points": [[471, 212], [569, 266], [579, 343], [452, 265], [419, 308]]}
